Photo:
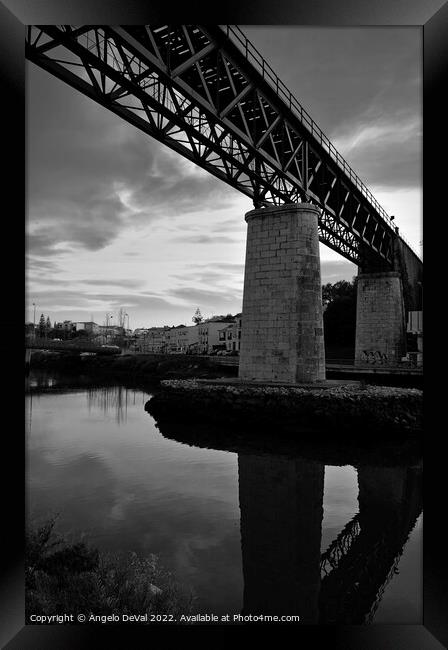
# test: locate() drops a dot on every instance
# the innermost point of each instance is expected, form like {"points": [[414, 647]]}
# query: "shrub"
{"points": [[75, 577]]}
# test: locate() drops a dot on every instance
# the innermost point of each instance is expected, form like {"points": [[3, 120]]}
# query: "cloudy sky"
{"points": [[115, 219]]}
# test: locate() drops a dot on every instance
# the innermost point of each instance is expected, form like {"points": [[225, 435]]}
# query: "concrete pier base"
{"points": [[282, 336], [380, 320]]}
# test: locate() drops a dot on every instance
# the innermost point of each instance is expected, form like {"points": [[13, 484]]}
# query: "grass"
{"points": [[75, 577]]}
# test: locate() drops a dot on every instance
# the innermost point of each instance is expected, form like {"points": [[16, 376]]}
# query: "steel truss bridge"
{"points": [[207, 93]]}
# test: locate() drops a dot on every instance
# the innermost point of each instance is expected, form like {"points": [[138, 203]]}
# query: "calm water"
{"points": [[247, 532]]}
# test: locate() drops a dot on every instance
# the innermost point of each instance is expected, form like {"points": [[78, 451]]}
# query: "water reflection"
{"points": [[248, 530], [110, 399], [281, 503], [113, 399], [360, 563]]}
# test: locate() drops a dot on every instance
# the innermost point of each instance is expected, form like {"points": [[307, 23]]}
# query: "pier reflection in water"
{"points": [[292, 561], [281, 499]]}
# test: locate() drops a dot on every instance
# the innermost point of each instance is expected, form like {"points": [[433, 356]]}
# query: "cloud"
{"points": [[384, 151], [132, 284], [224, 266], [110, 282], [39, 266], [229, 225], [91, 223], [333, 271], [91, 175], [207, 298], [206, 239], [213, 274], [73, 300], [208, 277]]}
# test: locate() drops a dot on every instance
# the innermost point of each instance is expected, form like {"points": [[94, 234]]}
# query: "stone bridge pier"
{"points": [[384, 299], [283, 336], [380, 319]]}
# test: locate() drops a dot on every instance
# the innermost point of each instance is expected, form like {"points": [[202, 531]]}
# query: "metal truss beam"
{"points": [[194, 89]]}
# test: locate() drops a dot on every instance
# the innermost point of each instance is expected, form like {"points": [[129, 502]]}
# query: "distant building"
{"points": [[170, 340], [150, 339], [66, 326], [208, 335], [230, 336], [181, 339], [108, 333], [112, 330], [88, 326]]}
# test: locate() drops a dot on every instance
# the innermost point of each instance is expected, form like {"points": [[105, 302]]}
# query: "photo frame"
{"points": [[432, 17]]}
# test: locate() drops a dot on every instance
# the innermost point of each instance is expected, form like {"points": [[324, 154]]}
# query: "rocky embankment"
{"points": [[332, 408]]}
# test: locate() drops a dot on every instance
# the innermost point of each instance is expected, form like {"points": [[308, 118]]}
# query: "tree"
{"points": [[197, 318], [41, 326], [341, 289], [48, 324], [339, 300], [122, 317]]}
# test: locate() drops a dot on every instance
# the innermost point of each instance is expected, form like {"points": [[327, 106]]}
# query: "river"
{"points": [[249, 531]]}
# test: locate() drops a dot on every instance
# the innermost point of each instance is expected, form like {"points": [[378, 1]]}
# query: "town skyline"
{"points": [[116, 219]]}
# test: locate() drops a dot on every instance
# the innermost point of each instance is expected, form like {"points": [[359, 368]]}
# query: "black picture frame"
{"points": [[432, 17]]}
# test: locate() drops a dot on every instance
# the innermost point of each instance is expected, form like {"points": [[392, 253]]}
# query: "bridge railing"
{"points": [[255, 57]]}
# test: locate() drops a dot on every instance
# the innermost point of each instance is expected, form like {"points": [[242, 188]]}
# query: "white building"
{"points": [[87, 326], [230, 336], [208, 335], [151, 339], [181, 339]]}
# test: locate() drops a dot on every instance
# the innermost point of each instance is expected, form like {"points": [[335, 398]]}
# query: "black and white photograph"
{"points": [[223, 326]]}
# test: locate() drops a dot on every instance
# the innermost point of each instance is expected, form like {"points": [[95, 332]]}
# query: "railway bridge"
{"points": [[208, 94]]}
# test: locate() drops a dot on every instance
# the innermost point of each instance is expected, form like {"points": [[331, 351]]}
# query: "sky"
{"points": [[117, 220]]}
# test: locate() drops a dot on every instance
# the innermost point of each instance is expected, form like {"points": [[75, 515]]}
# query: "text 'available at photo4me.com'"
{"points": [[42, 619]]}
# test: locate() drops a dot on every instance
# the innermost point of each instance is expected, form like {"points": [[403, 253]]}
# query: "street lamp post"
{"points": [[108, 330], [126, 334]]}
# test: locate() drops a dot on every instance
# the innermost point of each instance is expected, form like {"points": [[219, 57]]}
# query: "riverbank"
{"points": [[142, 367], [62, 577]]}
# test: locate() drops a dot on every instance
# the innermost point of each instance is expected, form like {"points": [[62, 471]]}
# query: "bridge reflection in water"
{"points": [[281, 502], [281, 496]]}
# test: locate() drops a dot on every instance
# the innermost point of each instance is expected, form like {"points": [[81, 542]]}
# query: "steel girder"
{"points": [[192, 88]]}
